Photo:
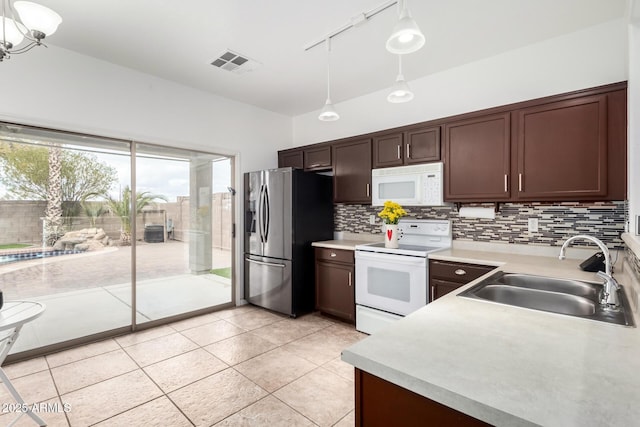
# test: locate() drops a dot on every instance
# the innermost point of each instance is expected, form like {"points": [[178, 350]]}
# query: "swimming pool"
{"points": [[25, 256]]}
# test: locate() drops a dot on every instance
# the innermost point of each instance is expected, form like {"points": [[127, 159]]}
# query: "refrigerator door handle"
{"points": [[267, 214], [261, 213], [268, 264]]}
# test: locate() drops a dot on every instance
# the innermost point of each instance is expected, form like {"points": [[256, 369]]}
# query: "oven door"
{"points": [[393, 283]]}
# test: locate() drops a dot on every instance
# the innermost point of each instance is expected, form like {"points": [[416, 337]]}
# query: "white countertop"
{"points": [[507, 365], [349, 245]]}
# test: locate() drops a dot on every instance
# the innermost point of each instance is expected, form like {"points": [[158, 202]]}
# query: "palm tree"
{"points": [[93, 210], [53, 211], [122, 209]]}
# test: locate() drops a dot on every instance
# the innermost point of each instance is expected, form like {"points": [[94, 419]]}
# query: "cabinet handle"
{"points": [[506, 185], [368, 191], [408, 151], [333, 254], [315, 165], [349, 279], [433, 293], [519, 182], [398, 152], [460, 272]]}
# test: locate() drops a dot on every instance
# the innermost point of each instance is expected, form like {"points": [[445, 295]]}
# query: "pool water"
{"points": [[9, 258]]}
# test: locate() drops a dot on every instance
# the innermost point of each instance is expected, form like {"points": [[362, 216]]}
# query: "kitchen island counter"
{"points": [[507, 365]]}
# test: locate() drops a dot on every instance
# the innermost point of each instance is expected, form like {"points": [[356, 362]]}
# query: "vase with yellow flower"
{"points": [[391, 214]]}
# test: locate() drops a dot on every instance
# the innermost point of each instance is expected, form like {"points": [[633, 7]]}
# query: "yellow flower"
{"points": [[391, 212]]}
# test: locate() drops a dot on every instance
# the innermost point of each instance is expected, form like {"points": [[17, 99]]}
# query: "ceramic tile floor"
{"points": [[239, 367]]}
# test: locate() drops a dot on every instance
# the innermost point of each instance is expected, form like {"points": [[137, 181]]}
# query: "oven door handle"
{"points": [[390, 258]]}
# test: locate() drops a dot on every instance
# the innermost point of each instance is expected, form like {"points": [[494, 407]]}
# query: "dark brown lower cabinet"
{"points": [[335, 284], [447, 276], [381, 403]]}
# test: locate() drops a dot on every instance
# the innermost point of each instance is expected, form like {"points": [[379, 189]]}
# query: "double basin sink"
{"points": [[562, 296]]}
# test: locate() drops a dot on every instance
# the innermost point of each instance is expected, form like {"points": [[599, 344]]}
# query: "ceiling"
{"points": [[177, 40]]}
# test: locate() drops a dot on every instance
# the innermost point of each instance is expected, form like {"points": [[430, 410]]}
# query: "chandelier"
{"points": [[25, 21]]}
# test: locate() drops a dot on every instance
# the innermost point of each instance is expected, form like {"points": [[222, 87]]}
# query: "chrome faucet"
{"points": [[609, 296]]}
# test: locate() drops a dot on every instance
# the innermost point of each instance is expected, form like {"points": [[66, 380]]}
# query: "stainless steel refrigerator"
{"points": [[285, 211]]}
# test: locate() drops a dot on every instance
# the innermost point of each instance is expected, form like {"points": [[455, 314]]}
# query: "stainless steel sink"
{"points": [[562, 296]]}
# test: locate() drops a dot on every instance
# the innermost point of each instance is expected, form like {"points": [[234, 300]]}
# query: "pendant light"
{"points": [[400, 91], [406, 36], [328, 113]]}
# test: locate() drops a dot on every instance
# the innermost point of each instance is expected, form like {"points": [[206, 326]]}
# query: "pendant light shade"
{"points": [[406, 36], [400, 91], [328, 113]]}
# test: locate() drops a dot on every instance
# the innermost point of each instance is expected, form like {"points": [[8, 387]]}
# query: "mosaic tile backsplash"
{"points": [[556, 221]]}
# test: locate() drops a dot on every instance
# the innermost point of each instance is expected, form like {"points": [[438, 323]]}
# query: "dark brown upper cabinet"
{"points": [[477, 159], [422, 145], [290, 158], [561, 150], [352, 171], [388, 150], [405, 148], [317, 158]]}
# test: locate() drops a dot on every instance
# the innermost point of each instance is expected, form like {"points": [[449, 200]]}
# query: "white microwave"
{"points": [[415, 185]]}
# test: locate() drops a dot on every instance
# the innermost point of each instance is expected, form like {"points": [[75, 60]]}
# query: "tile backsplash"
{"points": [[556, 221]]}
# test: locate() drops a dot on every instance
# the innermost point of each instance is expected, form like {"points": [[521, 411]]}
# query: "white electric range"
{"points": [[391, 283]]}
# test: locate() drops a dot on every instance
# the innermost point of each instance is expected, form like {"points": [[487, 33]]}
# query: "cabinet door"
{"points": [[388, 151], [562, 150], [290, 158], [317, 158], [352, 171], [477, 159], [422, 145], [335, 293], [442, 287]]}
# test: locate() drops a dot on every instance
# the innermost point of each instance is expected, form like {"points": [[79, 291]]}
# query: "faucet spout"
{"points": [[601, 246], [609, 296]]}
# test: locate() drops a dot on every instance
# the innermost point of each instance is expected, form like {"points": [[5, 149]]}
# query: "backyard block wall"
{"points": [[20, 221]]}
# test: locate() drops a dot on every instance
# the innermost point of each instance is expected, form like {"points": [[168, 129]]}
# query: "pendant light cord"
{"points": [[328, 67]]}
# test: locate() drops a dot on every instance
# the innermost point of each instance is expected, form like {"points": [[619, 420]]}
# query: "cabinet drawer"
{"points": [[335, 255], [457, 272]]}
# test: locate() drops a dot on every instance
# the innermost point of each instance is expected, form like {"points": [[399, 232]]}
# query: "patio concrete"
{"points": [[76, 314], [91, 293]]}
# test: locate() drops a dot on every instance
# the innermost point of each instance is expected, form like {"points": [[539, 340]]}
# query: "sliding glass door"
{"points": [[109, 234], [59, 237], [183, 232]]}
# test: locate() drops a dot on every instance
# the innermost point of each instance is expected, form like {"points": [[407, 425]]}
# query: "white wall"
{"points": [[591, 57], [61, 89], [634, 121]]}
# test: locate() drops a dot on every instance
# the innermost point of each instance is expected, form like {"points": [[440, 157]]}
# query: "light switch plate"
{"points": [[533, 225], [372, 219]]}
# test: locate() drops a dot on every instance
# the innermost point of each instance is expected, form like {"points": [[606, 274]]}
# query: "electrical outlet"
{"points": [[372, 219], [533, 225]]}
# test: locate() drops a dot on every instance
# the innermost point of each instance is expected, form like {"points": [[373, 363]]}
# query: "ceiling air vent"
{"points": [[235, 62]]}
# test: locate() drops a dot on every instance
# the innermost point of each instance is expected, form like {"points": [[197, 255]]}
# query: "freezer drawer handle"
{"points": [[268, 264]]}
